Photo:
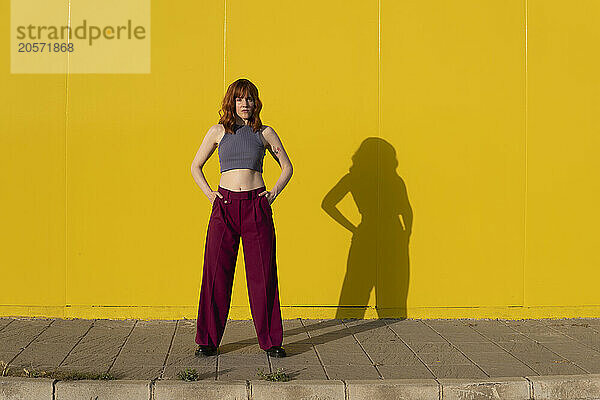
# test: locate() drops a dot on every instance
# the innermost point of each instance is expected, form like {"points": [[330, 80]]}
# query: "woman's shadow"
{"points": [[378, 256]]}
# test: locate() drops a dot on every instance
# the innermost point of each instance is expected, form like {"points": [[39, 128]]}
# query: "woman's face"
{"points": [[244, 107]]}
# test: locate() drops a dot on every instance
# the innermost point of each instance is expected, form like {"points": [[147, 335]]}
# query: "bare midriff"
{"points": [[239, 180]]}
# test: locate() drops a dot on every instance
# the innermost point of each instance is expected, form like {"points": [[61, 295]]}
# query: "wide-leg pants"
{"points": [[249, 216]]}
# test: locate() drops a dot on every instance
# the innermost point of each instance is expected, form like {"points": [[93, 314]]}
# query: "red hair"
{"points": [[240, 88]]}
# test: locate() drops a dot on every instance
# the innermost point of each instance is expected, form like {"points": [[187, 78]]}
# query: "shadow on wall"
{"points": [[378, 256]]}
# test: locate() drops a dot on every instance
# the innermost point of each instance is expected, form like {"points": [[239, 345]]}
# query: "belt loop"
{"points": [[225, 195]]}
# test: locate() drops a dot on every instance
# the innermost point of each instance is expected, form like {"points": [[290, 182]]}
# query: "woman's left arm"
{"points": [[276, 149]]}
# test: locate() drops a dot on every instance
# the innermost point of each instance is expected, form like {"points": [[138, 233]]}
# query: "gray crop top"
{"points": [[244, 149]]}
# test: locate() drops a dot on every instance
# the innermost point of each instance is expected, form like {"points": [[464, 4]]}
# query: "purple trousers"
{"points": [[250, 216]]}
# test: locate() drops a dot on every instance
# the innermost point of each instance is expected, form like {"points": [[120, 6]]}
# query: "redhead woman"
{"points": [[241, 207]]}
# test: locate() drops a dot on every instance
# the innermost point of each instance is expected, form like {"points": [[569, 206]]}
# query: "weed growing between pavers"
{"points": [[278, 376], [4, 368], [74, 376], [188, 374], [60, 375]]}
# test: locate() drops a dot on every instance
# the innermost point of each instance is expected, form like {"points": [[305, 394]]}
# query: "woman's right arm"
{"points": [[207, 148]]}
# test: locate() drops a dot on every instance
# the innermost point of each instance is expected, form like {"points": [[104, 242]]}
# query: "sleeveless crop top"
{"points": [[244, 149]]}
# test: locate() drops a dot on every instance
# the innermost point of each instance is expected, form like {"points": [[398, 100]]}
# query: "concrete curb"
{"points": [[566, 386], [201, 390], [13, 388], [551, 387], [393, 389], [300, 389], [493, 388], [105, 390]]}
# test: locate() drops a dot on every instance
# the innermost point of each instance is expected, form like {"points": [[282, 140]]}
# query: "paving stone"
{"points": [[358, 322], [417, 335], [571, 347], [405, 372], [6, 357], [301, 371], [231, 360], [204, 373], [160, 352], [549, 338], [544, 368], [507, 370], [4, 322], [334, 349], [449, 357], [307, 358], [415, 340], [187, 348], [235, 372], [336, 343], [524, 347], [299, 349], [43, 354], [492, 358], [430, 347], [338, 340], [161, 341], [546, 356], [294, 332], [333, 341], [104, 341], [589, 362], [368, 330], [489, 347], [346, 372], [496, 331], [135, 371], [23, 370], [508, 338], [190, 358], [465, 337], [240, 348], [457, 371], [88, 358], [448, 325], [20, 333], [64, 332], [329, 358], [395, 358], [141, 359], [185, 336], [159, 324], [321, 323], [408, 322], [125, 324], [377, 338], [88, 369]]}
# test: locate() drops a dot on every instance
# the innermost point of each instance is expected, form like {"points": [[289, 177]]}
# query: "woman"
{"points": [[241, 207]]}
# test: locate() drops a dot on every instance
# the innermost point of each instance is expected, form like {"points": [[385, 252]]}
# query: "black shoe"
{"points": [[276, 351], [206, 350]]}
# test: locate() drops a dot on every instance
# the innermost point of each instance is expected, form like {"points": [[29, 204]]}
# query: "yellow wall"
{"points": [[489, 135]]}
